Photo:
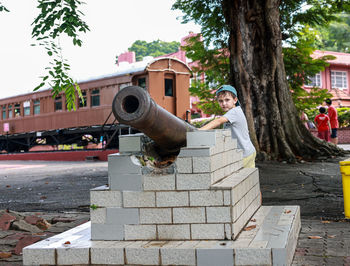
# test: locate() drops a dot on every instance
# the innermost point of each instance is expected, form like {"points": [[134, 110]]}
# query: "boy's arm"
{"points": [[214, 123]]}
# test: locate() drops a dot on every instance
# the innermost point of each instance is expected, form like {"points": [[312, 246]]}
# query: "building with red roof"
{"points": [[335, 77]]}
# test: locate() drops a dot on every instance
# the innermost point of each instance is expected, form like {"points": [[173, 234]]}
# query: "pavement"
{"points": [[62, 188]]}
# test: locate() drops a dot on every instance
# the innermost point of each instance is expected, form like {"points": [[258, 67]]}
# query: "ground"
{"points": [[61, 187]]}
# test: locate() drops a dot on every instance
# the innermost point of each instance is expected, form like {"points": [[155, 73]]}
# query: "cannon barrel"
{"points": [[134, 106]]}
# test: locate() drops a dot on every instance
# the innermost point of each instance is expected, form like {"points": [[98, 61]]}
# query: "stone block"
{"points": [[198, 152], [122, 216], [207, 231], [98, 216], [227, 197], [202, 164], [174, 232], [250, 256], [121, 182], [123, 164], [140, 232], [107, 231], [39, 256], [139, 199], [218, 215], [72, 256], [155, 216], [131, 144], [230, 143], [189, 215], [105, 198], [244, 202], [108, 252], [184, 165], [206, 198], [218, 174], [228, 231], [179, 253], [172, 199], [238, 225], [201, 138], [139, 253], [193, 181], [153, 182], [215, 255]]}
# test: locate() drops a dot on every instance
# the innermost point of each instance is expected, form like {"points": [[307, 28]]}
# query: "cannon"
{"points": [[134, 106]]}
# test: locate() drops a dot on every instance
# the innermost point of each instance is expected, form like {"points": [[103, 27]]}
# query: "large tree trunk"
{"points": [[257, 71]]}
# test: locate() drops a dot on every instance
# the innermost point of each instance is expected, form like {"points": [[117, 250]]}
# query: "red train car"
{"points": [[29, 119]]}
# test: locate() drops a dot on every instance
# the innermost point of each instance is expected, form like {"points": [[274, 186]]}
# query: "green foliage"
{"points": [[299, 66], [154, 48], [335, 36], [3, 8], [59, 17], [212, 63], [343, 117], [93, 207]]}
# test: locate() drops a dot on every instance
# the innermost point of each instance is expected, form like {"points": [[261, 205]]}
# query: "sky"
{"points": [[114, 26]]}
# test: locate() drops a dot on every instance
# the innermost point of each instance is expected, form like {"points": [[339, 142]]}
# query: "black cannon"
{"points": [[133, 106]]}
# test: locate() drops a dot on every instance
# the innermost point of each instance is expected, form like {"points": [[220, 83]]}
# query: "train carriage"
{"points": [[30, 119]]}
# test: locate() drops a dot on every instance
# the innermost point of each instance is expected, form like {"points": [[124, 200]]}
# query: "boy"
{"points": [[234, 118], [322, 124]]}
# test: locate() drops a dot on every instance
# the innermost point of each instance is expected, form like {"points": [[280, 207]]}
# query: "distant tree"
{"points": [[154, 48], [336, 35]]}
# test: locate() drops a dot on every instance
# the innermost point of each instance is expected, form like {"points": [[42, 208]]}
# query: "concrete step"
{"points": [[269, 238]]}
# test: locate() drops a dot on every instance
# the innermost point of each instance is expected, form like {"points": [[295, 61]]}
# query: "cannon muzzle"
{"points": [[133, 106]]}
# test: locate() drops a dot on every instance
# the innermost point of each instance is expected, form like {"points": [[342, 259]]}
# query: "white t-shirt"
{"points": [[239, 130]]}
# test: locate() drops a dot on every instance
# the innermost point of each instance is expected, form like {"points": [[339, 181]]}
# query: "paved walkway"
{"points": [[323, 243]]}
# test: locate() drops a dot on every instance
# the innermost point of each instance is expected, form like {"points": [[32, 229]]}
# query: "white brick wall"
{"points": [[172, 199], [140, 232], [189, 215], [137, 199], [155, 216], [106, 198], [193, 181], [206, 198], [207, 231], [218, 215], [158, 182], [174, 232], [184, 165]]}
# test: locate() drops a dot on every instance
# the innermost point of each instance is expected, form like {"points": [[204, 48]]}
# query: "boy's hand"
{"points": [[214, 123]]}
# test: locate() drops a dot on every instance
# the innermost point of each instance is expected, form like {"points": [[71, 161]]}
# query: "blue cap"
{"points": [[226, 88]]}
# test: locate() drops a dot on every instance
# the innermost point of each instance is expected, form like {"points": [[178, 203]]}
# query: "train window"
{"points": [[81, 103], [10, 110], [169, 91], [58, 103], [37, 107], [95, 98], [17, 110], [142, 82], [4, 112], [26, 108]]}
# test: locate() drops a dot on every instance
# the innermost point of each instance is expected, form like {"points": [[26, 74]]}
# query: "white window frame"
{"points": [[343, 76], [315, 81]]}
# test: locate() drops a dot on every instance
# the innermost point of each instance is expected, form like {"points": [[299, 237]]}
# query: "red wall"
{"points": [[343, 135]]}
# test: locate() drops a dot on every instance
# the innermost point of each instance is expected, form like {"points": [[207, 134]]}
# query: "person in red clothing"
{"points": [[333, 118], [322, 124]]}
